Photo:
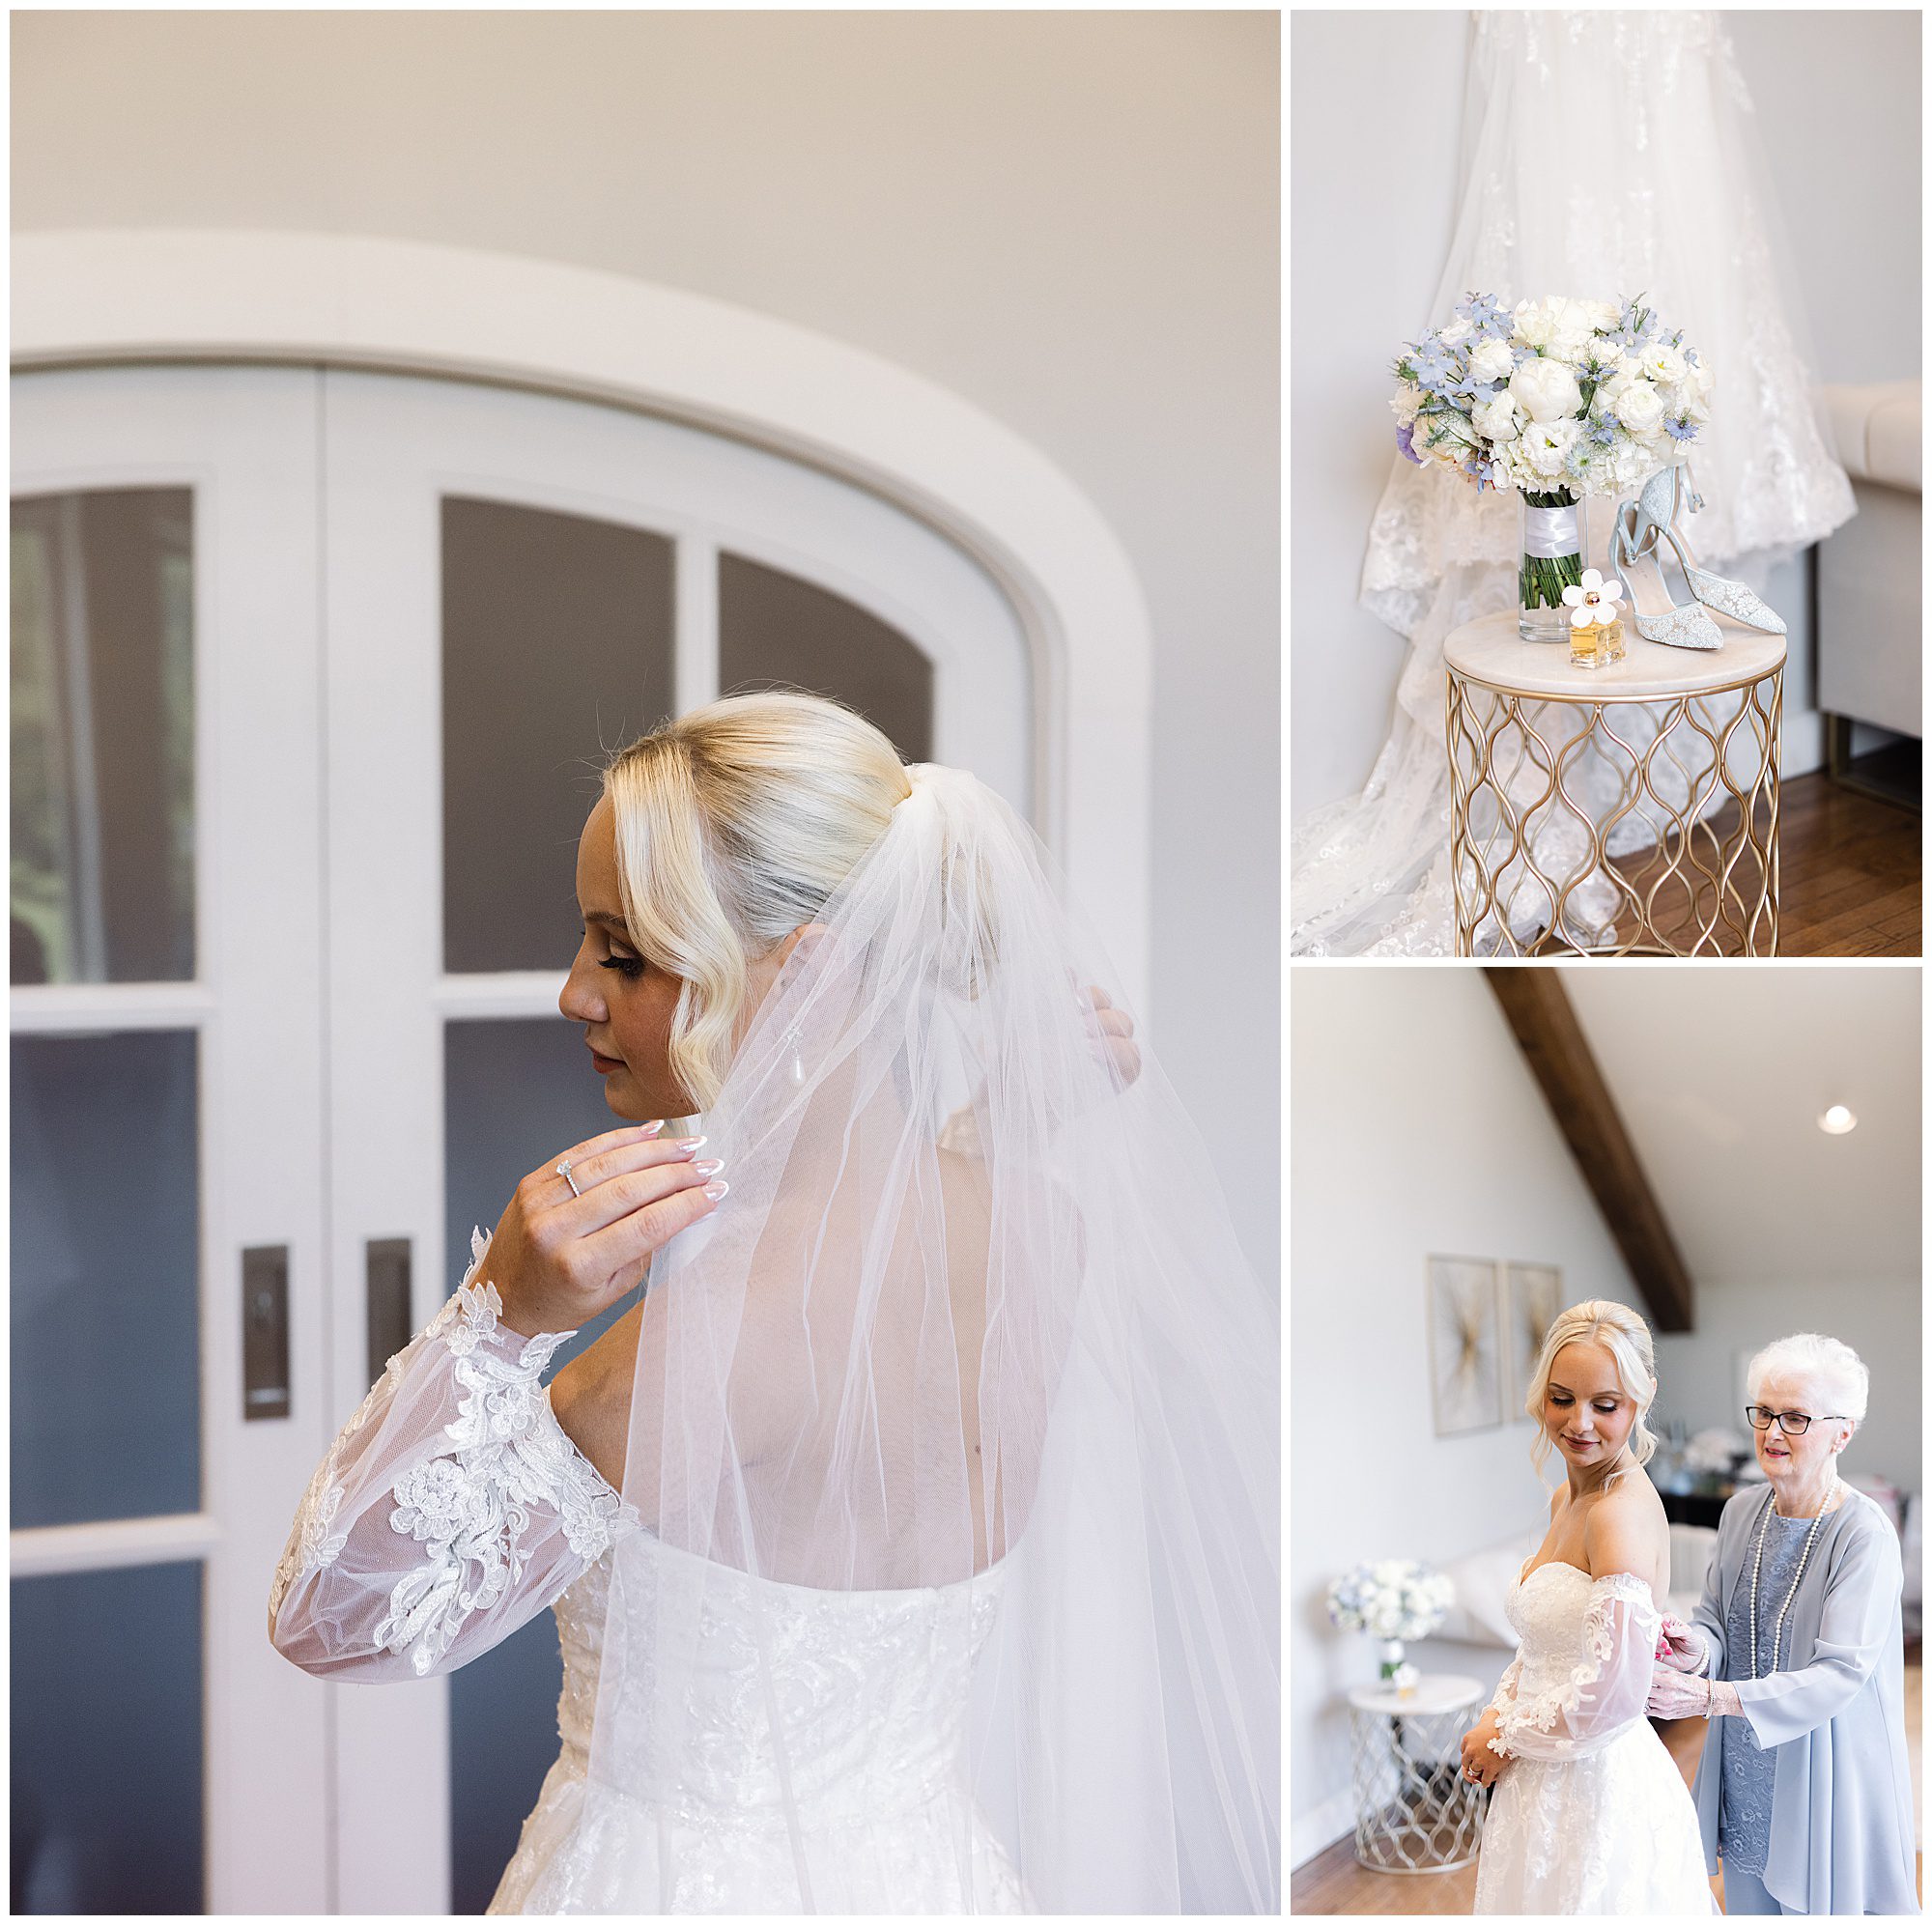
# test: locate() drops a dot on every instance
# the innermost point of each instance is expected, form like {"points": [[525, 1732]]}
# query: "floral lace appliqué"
{"points": [[471, 1505]]}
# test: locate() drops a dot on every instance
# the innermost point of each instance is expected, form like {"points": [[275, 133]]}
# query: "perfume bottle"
{"points": [[1595, 644]]}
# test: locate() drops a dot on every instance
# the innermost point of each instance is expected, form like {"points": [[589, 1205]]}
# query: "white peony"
{"points": [[1456, 333], [1442, 438], [1490, 359], [1546, 446], [1546, 390], [1640, 407], [1498, 420], [1604, 315], [1404, 403], [1535, 323], [1663, 366]]}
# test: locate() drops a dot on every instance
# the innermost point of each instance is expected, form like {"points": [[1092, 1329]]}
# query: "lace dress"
{"points": [[454, 1507], [1590, 1815], [1669, 195]]}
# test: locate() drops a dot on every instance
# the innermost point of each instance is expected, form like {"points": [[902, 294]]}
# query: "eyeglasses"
{"points": [[1793, 1423]]}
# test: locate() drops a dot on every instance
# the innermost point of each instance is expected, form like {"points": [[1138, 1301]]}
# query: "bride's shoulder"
{"points": [[1627, 1530]]}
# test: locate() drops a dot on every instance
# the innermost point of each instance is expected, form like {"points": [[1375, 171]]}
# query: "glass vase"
{"points": [[1554, 541], [1391, 1659]]}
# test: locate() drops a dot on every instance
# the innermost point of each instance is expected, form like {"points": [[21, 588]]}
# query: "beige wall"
{"points": [[1068, 219]]}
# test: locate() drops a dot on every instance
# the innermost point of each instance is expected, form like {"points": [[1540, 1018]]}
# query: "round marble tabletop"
{"points": [[1433, 1693], [1490, 650]]}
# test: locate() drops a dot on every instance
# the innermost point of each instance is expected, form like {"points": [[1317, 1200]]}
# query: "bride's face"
{"points": [[625, 1002], [1587, 1413]]}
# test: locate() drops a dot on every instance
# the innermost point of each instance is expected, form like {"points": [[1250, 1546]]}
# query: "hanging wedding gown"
{"points": [[1590, 1814], [943, 1577], [1606, 154]]}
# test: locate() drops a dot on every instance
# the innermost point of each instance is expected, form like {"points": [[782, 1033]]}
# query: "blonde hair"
{"points": [[1626, 1336], [733, 825]]}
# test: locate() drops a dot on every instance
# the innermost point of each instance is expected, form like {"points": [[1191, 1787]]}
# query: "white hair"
{"points": [[1823, 1364], [1626, 1336]]}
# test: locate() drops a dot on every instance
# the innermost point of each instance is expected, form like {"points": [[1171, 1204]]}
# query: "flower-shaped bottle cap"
{"points": [[1594, 603]]}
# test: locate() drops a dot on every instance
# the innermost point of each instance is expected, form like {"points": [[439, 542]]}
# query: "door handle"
{"points": [[265, 1331]]}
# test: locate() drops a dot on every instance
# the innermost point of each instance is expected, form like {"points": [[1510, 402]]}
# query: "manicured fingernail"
{"points": [[688, 1144], [708, 1165], [651, 1129], [716, 1190]]}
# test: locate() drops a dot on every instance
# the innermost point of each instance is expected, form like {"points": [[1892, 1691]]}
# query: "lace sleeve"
{"points": [[1505, 1697], [451, 1509], [1602, 1694]]}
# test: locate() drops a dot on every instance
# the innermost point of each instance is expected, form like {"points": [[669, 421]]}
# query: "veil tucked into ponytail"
{"points": [[968, 1364]]}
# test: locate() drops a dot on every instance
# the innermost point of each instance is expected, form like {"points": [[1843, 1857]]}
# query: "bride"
{"points": [[1589, 1813], [911, 1538]]}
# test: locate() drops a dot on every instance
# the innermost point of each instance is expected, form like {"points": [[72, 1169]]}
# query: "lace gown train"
{"points": [[1590, 1814]]}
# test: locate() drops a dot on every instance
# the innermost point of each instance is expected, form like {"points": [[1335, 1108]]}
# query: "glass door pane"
{"points": [[103, 788]]}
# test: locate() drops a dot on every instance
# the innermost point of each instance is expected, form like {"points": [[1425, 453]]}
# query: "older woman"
{"points": [[1796, 1654]]}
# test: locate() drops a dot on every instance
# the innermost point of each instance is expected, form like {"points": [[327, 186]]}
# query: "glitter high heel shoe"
{"points": [[1658, 507], [1658, 618]]}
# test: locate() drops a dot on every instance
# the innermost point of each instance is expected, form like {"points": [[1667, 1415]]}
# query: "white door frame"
{"points": [[245, 442], [93, 296]]}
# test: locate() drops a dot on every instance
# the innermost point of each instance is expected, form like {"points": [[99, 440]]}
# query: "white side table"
{"points": [[1414, 1811], [1671, 754]]}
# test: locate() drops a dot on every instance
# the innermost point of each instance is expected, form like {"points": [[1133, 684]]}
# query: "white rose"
{"points": [[1456, 333], [1663, 366], [1573, 322], [1404, 403], [1498, 420], [1535, 323], [1603, 314], [1490, 359], [1546, 390], [1640, 407], [1547, 444]]}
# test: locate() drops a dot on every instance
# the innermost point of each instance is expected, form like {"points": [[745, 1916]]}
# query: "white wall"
{"points": [[1881, 1320], [1416, 1130], [1372, 184], [1069, 218]]}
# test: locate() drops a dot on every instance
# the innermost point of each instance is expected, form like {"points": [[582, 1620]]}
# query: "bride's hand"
{"points": [[1480, 1765], [557, 1259], [1115, 1030]]}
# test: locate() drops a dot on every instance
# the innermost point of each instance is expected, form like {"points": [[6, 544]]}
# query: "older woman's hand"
{"points": [[1673, 1695], [1681, 1647]]}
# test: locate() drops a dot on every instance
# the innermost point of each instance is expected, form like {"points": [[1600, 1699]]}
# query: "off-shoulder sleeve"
{"points": [[449, 1512], [1602, 1694]]}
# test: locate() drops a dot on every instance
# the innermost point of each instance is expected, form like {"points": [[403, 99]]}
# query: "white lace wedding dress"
{"points": [[454, 1507], [1667, 196], [1590, 1814]]}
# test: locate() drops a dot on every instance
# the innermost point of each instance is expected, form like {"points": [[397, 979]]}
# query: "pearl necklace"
{"points": [[1757, 1564]]}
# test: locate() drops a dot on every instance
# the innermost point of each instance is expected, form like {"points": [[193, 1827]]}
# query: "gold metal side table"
{"points": [[1623, 810], [1414, 1811]]}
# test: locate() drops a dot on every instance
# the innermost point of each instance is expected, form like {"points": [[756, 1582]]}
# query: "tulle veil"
{"points": [[972, 1325], [1606, 152]]}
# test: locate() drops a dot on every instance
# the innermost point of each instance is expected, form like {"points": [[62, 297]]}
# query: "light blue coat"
{"points": [[1841, 1823]]}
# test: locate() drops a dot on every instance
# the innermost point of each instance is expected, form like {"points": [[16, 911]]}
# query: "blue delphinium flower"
{"points": [[1434, 366], [1486, 315]]}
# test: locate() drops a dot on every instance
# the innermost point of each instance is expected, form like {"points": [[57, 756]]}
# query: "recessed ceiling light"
{"points": [[1837, 1120]]}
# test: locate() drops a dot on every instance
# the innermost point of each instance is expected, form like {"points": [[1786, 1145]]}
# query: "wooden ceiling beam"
{"points": [[1539, 1012]]}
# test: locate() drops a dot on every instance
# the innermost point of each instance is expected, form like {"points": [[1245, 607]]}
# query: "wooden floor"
{"points": [[1333, 1882], [1850, 874]]}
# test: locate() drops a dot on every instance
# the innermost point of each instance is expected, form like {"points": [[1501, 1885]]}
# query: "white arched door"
{"points": [[391, 626]]}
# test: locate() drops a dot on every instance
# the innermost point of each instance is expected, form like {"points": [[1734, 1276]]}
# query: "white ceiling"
{"points": [[1721, 1075]]}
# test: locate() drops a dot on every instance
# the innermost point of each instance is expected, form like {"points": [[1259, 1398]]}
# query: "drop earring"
{"points": [[793, 1037]]}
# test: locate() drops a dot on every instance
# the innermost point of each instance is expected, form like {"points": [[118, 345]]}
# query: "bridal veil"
{"points": [[973, 1324], [1605, 154]]}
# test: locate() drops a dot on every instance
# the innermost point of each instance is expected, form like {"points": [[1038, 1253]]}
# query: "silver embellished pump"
{"points": [[1658, 510], [1658, 618]]}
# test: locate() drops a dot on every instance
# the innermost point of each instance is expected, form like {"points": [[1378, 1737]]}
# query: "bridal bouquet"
{"points": [[1559, 399], [1391, 1599]]}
